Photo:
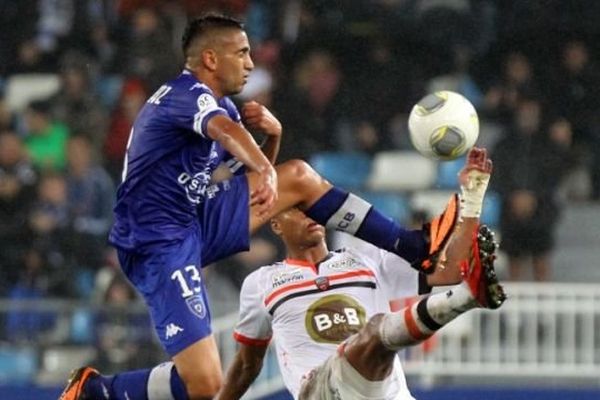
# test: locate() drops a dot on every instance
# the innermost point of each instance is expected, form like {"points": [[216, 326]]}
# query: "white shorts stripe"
{"points": [[350, 215]]}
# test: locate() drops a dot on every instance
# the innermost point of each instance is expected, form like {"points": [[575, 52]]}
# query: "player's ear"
{"points": [[209, 59], [275, 226]]}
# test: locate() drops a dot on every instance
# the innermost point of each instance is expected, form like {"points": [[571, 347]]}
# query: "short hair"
{"points": [[200, 26]]}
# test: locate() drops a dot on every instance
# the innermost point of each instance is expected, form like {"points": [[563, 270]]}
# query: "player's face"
{"points": [[234, 62], [299, 230]]}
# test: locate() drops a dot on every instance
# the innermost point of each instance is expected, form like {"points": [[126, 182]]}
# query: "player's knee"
{"points": [[204, 388], [298, 174]]}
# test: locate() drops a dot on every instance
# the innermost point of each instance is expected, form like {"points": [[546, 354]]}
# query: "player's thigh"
{"points": [[298, 185], [170, 281], [199, 366], [223, 219]]}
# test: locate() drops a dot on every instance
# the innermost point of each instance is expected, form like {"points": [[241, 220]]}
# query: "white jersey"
{"points": [[310, 309]]}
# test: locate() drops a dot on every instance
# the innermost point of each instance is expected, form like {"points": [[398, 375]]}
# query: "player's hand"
{"points": [[258, 118], [474, 179], [265, 194]]}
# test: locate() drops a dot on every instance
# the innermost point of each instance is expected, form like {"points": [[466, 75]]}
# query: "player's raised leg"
{"points": [[372, 351]]}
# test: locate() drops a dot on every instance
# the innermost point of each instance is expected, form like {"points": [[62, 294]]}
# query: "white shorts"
{"points": [[336, 379]]}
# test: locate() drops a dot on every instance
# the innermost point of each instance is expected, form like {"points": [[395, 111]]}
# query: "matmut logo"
{"points": [[172, 330]]}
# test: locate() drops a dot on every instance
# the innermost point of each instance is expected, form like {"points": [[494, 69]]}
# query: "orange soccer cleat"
{"points": [[479, 272], [74, 388]]}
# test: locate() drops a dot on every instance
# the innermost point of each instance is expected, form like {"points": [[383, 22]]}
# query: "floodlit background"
{"points": [[342, 77]]}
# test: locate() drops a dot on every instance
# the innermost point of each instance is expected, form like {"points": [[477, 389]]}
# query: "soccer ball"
{"points": [[443, 125]]}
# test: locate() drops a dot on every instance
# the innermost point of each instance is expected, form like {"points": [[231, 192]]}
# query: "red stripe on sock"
{"points": [[412, 326]]}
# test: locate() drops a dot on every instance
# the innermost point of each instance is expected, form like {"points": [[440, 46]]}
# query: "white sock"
{"points": [[421, 320]]}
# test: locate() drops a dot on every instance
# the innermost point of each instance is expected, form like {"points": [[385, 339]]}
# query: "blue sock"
{"points": [[161, 382], [346, 212]]}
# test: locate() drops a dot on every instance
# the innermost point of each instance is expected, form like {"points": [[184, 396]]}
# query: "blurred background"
{"points": [[342, 77]]}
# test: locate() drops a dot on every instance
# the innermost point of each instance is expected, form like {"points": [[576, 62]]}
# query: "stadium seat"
{"points": [[82, 326], [347, 170], [447, 173], [17, 365], [401, 171], [57, 361], [393, 205], [22, 89]]}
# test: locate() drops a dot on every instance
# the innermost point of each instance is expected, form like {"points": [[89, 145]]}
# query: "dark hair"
{"points": [[199, 26]]}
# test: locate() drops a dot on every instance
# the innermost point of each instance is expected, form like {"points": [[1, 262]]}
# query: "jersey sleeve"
{"points": [[254, 325], [192, 109]]}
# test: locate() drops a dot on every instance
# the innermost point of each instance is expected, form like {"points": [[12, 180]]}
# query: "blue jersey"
{"points": [[168, 165]]}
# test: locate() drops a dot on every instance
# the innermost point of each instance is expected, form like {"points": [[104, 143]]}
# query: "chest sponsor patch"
{"points": [[334, 318]]}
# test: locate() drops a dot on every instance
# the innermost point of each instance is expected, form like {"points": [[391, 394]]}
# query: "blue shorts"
{"points": [[170, 278]]}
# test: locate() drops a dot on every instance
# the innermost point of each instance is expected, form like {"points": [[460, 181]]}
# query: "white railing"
{"points": [[547, 330], [543, 330]]}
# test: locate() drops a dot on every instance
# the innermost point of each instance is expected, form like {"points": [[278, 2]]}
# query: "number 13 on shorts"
{"points": [[189, 280]]}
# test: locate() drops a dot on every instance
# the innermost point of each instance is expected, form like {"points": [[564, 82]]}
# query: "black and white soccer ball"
{"points": [[443, 125]]}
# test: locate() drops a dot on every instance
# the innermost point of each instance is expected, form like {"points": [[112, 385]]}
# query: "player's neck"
{"points": [[208, 79], [312, 254]]}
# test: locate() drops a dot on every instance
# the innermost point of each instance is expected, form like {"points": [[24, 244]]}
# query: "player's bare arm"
{"points": [[259, 119], [243, 371], [238, 141]]}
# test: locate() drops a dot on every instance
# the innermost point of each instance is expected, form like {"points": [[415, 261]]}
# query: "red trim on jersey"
{"points": [[301, 263], [249, 341], [311, 282]]}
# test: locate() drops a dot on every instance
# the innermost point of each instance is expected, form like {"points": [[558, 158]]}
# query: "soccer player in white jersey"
{"points": [[329, 313]]}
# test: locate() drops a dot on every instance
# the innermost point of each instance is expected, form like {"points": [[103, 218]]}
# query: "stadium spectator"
{"points": [[529, 167], [76, 105], [138, 53], [132, 98], [46, 138], [17, 191], [90, 192], [49, 225]]}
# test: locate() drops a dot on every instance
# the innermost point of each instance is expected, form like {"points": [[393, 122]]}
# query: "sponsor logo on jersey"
{"points": [[286, 277], [322, 282], [206, 102], [334, 318], [196, 305], [194, 186], [344, 264], [172, 330]]}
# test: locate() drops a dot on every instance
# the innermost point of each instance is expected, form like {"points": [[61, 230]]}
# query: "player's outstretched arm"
{"points": [[258, 118], [243, 371]]}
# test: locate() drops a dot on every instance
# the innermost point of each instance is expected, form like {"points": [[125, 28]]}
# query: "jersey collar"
{"points": [[306, 264]]}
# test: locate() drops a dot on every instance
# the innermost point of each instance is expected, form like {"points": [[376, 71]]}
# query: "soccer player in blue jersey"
{"points": [[171, 220]]}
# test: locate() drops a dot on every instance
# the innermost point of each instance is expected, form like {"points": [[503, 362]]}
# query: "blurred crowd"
{"points": [[339, 79]]}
